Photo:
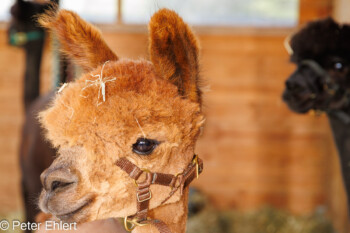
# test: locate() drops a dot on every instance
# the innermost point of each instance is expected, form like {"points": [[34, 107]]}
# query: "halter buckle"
{"points": [[144, 197], [130, 224], [20, 38]]}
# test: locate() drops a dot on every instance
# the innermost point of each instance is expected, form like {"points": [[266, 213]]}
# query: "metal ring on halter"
{"points": [[173, 186], [132, 223], [144, 170], [195, 161]]}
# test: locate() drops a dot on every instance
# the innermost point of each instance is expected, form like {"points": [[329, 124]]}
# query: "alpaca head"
{"points": [[146, 111], [23, 29], [321, 80]]}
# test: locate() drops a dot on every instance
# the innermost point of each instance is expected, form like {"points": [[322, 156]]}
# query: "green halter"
{"points": [[21, 38]]}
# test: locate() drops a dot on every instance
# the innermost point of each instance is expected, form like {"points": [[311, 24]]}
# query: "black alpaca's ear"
{"points": [[174, 53]]}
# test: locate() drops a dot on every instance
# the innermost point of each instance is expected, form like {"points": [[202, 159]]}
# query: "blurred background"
{"points": [[259, 156]]}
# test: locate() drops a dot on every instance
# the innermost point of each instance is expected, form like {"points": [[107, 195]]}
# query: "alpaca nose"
{"points": [[290, 85], [59, 179]]}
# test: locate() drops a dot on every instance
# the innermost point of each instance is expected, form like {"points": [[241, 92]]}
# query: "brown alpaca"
{"points": [[120, 117]]}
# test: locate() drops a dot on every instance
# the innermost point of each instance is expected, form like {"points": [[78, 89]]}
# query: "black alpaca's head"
{"points": [[23, 29], [321, 80], [24, 13]]}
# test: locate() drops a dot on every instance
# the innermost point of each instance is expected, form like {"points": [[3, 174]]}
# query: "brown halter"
{"points": [[143, 192]]}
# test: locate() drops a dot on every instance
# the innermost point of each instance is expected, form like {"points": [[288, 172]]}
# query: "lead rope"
{"points": [[143, 192]]}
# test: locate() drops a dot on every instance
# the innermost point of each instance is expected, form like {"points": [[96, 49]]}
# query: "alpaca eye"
{"points": [[338, 66], [144, 146]]}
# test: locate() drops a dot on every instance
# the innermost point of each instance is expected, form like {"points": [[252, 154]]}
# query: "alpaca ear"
{"points": [[80, 40], [174, 53]]}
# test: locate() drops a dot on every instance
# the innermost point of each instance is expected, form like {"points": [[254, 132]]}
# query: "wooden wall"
{"points": [[311, 9], [341, 11], [11, 68]]}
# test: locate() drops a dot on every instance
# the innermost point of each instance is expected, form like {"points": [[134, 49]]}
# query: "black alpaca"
{"points": [[36, 154], [321, 81], [24, 32]]}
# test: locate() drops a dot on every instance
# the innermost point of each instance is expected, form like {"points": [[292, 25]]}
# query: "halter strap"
{"points": [[21, 38], [329, 85], [143, 192]]}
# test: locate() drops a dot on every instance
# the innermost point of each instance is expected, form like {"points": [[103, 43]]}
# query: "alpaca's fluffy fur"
{"points": [[137, 93], [170, 60], [76, 37], [321, 38], [162, 96]]}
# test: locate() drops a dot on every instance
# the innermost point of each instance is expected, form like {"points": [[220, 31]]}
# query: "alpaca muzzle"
{"points": [[60, 184], [58, 179], [328, 84], [312, 87], [143, 194]]}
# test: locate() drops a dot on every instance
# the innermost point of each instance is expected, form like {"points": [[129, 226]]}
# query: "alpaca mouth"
{"points": [[299, 104], [68, 216]]}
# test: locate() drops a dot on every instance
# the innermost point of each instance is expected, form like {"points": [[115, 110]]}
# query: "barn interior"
{"points": [[265, 166]]}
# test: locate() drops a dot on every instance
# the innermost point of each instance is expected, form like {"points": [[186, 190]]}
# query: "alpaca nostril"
{"points": [[54, 180], [58, 184], [55, 185]]}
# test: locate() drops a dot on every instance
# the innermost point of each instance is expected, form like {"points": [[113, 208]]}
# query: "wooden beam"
{"points": [[312, 10], [341, 11]]}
